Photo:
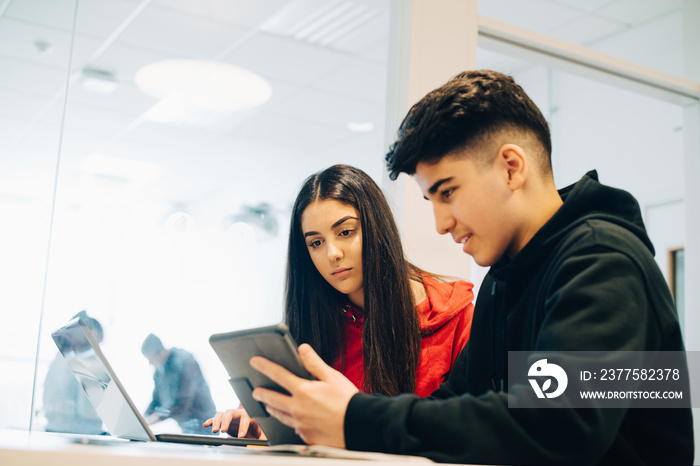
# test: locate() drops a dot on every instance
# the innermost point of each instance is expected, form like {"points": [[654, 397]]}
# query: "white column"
{"points": [[432, 40], [691, 147], [691, 130], [691, 133]]}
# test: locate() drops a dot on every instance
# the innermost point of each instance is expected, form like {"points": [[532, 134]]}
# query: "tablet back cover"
{"points": [[235, 349]]}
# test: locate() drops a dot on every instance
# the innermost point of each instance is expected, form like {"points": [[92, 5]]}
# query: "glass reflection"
{"points": [[78, 344], [167, 208], [180, 391], [65, 404], [597, 126], [647, 32]]}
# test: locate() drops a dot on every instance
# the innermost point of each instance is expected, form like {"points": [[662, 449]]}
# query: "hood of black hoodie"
{"points": [[583, 201]]}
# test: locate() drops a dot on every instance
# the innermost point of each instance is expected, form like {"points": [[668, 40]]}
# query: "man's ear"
{"points": [[514, 162]]}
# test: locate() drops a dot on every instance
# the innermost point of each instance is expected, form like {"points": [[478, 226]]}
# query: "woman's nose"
{"points": [[334, 252]]}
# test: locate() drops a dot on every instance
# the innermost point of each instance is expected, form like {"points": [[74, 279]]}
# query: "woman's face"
{"points": [[333, 236]]}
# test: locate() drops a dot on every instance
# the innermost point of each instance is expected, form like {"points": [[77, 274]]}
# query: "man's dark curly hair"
{"points": [[462, 113]]}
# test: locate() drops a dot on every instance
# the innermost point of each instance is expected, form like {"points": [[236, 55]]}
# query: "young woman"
{"points": [[388, 326]]}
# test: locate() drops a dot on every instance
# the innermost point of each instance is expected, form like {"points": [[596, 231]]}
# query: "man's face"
{"points": [[470, 202], [158, 360]]}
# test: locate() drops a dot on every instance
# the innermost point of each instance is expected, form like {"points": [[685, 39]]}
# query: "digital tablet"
{"points": [[235, 349]]}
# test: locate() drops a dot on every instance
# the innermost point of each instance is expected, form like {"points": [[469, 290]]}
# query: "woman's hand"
{"points": [[236, 423]]}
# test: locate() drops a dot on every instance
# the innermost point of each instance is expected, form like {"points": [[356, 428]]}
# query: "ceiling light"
{"points": [[43, 47], [202, 85], [360, 126], [99, 81]]}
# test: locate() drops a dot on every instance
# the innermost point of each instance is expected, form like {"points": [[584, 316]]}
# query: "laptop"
{"points": [[113, 404]]}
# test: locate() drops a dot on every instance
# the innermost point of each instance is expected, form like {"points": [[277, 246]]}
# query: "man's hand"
{"points": [[236, 423], [152, 418], [316, 408]]}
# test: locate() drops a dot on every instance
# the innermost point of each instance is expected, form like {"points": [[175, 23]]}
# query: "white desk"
{"points": [[22, 448]]}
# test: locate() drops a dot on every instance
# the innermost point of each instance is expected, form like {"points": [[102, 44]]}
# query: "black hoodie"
{"points": [[587, 281]]}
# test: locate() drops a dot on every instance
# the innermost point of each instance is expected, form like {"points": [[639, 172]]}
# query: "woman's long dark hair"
{"points": [[391, 334]]}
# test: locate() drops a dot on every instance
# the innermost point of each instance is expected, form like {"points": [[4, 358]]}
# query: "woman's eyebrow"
{"points": [[344, 219], [339, 222]]}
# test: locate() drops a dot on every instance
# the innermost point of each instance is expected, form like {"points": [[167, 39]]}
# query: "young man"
{"points": [[571, 270], [180, 391]]}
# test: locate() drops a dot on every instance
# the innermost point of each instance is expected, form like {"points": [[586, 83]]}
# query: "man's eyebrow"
{"points": [[433, 189], [339, 222]]}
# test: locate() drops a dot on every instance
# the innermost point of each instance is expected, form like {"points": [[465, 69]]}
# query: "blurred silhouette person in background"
{"points": [[180, 391], [66, 406]]}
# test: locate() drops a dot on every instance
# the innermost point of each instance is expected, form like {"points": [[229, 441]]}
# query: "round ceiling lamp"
{"points": [[203, 85]]}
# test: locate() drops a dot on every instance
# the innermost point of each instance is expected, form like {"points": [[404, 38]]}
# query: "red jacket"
{"points": [[445, 322]]}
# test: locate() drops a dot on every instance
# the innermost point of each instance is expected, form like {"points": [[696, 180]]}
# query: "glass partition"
{"points": [[35, 52], [624, 135], [647, 32], [188, 128]]}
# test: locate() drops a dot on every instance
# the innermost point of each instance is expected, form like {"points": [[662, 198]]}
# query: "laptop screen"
{"points": [[81, 351]]}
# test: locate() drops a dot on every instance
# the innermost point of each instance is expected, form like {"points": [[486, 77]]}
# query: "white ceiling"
{"points": [[321, 80]]}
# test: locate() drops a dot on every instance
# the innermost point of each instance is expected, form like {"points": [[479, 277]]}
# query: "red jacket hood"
{"points": [[444, 301]]}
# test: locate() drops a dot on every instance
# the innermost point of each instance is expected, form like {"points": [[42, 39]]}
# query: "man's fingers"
{"points": [[282, 416], [313, 362], [277, 404], [272, 398], [276, 373], [315, 409]]}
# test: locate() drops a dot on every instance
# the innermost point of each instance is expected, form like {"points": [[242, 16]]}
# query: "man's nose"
{"points": [[444, 222]]}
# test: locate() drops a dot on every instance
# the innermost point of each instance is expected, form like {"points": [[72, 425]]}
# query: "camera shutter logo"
{"points": [[542, 368]]}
